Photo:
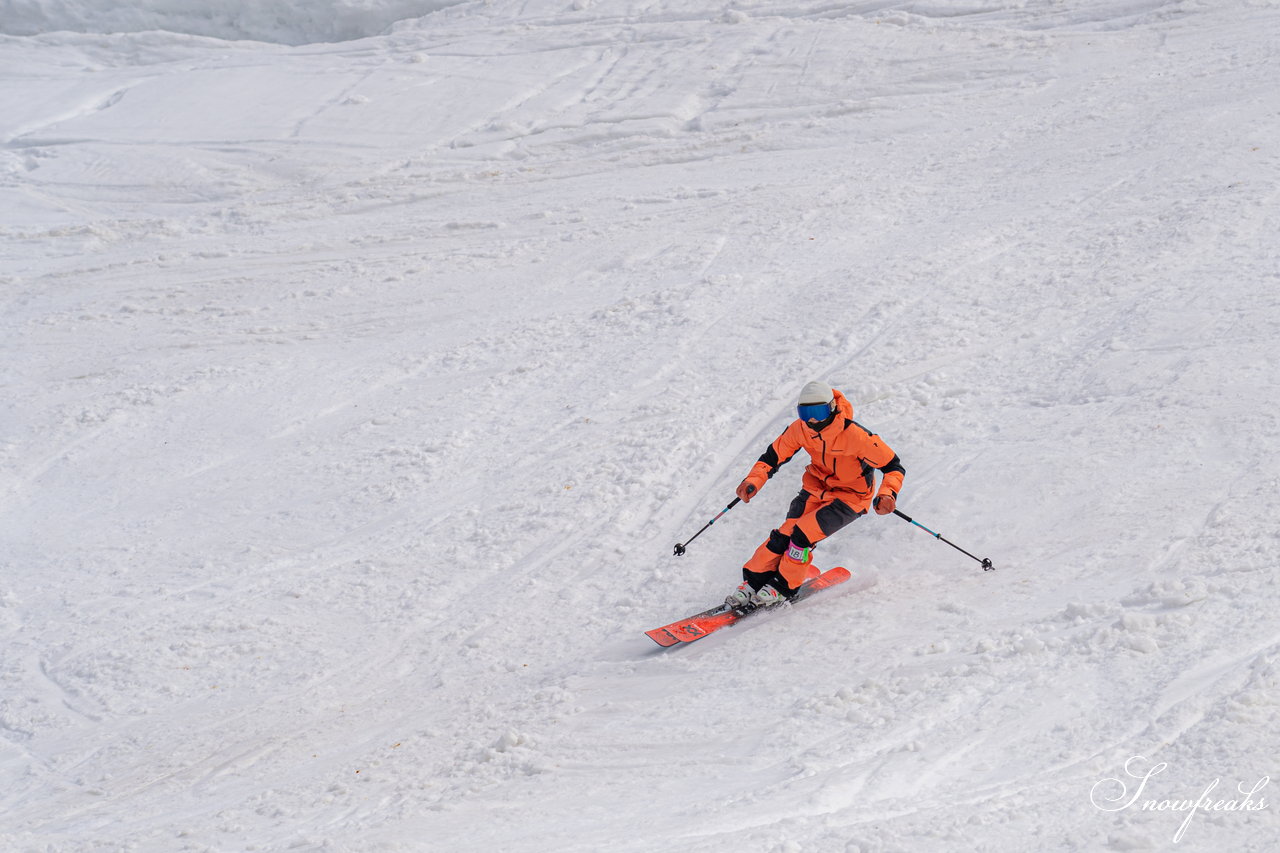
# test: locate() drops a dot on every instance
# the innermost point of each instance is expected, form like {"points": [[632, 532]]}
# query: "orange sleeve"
{"points": [[777, 454], [781, 450], [880, 455]]}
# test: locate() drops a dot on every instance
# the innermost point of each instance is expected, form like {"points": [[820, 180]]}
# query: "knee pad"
{"points": [[799, 537], [779, 541]]}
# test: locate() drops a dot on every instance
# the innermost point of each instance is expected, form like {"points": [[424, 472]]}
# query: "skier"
{"points": [[837, 488]]}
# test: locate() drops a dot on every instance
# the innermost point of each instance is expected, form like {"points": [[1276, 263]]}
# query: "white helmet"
{"points": [[817, 404]]}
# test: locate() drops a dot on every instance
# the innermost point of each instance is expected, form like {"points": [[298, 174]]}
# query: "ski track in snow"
{"points": [[356, 393]]}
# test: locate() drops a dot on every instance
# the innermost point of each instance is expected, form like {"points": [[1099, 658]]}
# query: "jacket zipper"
{"points": [[831, 468]]}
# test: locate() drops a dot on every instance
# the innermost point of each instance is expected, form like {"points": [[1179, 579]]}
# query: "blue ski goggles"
{"points": [[814, 412]]}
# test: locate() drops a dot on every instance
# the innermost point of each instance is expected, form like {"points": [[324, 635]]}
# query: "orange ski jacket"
{"points": [[842, 458]]}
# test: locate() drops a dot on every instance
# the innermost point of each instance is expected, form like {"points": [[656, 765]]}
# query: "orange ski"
{"points": [[701, 624]]}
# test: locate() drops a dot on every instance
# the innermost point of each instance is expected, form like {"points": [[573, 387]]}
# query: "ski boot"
{"points": [[740, 597]]}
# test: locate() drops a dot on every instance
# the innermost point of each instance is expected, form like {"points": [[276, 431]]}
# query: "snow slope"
{"points": [[356, 393], [282, 21]]}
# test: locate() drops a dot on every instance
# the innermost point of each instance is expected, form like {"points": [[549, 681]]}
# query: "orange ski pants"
{"points": [[809, 521]]}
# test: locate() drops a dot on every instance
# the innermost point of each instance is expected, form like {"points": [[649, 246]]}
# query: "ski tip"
{"points": [[662, 637]]}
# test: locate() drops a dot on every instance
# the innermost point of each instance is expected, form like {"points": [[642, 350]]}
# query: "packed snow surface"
{"points": [[282, 21], [355, 394]]}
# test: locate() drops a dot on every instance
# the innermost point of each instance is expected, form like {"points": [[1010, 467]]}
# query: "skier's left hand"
{"points": [[885, 503]]}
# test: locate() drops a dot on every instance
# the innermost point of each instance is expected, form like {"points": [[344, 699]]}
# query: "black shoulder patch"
{"points": [[770, 458], [894, 464]]}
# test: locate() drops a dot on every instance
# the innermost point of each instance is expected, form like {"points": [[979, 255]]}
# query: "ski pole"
{"points": [[986, 563], [680, 548]]}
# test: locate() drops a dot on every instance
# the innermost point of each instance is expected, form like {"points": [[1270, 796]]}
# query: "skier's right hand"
{"points": [[748, 488]]}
